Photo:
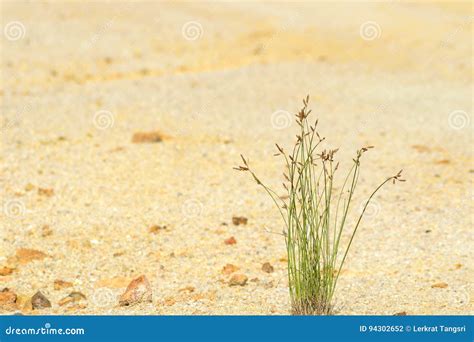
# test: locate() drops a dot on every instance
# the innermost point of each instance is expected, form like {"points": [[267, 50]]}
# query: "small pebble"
{"points": [[39, 301], [4, 271], [46, 231], [26, 255], [238, 280], [147, 137], [188, 289], [238, 220], [7, 299], [29, 187], [156, 228], [229, 268], [23, 303], [139, 290], [267, 267], [61, 284], [230, 241], [421, 148], [45, 192], [169, 301], [73, 297], [441, 285]]}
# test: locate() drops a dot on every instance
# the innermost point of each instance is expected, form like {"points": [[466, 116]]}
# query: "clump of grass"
{"points": [[315, 216]]}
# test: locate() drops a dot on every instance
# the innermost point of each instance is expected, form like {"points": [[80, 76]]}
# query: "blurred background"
{"points": [[212, 80]]}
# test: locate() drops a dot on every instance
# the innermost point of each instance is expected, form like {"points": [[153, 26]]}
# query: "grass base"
{"points": [[311, 308]]}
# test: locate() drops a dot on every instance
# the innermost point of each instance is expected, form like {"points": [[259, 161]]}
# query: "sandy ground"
{"points": [[217, 80]]}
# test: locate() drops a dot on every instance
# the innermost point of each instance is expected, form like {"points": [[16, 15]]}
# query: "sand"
{"points": [[217, 80]]}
